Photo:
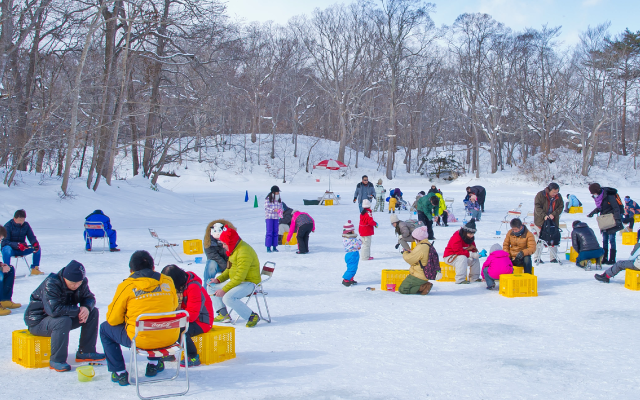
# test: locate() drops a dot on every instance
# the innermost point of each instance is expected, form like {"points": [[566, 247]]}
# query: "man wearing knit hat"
{"points": [[61, 303], [243, 274], [461, 252]]}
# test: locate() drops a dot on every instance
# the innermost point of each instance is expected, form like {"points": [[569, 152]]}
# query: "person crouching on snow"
{"points": [[303, 224], [461, 252], [366, 230], [498, 263], [352, 246], [416, 282]]}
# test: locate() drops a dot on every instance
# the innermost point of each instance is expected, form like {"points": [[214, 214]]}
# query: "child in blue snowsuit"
{"points": [[352, 246]]}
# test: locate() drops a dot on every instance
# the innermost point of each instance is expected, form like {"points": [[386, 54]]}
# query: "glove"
{"points": [[22, 246], [590, 215], [397, 245], [36, 247], [519, 256], [483, 253], [354, 200], [474, 255]]}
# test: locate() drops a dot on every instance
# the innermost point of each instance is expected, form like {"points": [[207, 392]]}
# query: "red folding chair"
{"points": [[161, 322], [96, 226]]}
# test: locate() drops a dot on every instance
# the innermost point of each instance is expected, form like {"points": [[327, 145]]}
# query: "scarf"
{"points": [[598, 199]]}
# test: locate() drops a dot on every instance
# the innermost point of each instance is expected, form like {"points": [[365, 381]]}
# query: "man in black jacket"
{"points": [[585, 243], [61, 303], [608, 202], [14, 244]]}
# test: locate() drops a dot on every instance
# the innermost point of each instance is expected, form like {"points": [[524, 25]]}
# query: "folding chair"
{"points": [[506, 220], [160, 322], [26, 263], [267, 270], [529, 214], [96, 226], [449, 202], [161, 245], [545, 246]]}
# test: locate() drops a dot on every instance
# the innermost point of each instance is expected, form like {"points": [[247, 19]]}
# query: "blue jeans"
{"points": [[606, 240], [490, 281], [211, 269], [111, 234], [233, 299], [8, 252], [352, 259], [112, 337], [6, 284], [589, 254]]}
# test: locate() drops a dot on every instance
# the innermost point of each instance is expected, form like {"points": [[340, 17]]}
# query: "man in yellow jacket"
{"points": [[243, 274], [144, 291]]}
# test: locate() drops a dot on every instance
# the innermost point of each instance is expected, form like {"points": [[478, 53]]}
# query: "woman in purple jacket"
{"points": [[273, 212]]}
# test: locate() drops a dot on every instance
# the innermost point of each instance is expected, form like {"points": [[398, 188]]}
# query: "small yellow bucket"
{"points": [[85, 373]]}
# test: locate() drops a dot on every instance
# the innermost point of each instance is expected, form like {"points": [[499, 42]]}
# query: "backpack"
{"points": [[432, 269], [550, 233]]}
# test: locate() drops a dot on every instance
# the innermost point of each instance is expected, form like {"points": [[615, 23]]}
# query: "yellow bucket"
{"points": [[85, 373]]}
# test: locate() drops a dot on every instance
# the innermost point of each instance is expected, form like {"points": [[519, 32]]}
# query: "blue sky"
{"points": [[573, 15]]}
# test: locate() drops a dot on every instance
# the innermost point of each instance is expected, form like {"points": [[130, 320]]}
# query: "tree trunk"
{"points": [[133, 125]]}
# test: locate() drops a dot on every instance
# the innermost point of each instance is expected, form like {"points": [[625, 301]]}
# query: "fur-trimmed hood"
{"points": [[207, 233]]}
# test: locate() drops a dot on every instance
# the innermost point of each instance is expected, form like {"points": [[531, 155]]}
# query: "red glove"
{"points": [[36, 247], [22, 246]]}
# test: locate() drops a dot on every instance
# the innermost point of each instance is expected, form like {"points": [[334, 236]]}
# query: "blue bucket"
{"points": [[198, 260]]}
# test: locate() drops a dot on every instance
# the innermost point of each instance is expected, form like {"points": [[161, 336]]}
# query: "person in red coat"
{"points": [[461, 252], [196, 301], [366, 230]]}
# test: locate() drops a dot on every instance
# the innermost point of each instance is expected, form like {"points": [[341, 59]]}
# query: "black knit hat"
{"points": [[74, 272], [470, 226], [275, 189], [140, 260]]}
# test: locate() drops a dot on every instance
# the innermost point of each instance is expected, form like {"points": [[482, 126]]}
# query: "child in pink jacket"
{"points": [[303, 224], [497, 263]]}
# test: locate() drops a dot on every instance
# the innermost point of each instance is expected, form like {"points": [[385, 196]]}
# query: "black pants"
{"points": [[481, 199], [628, 220], [427, 222], [194, 330], [445, 217], [303, 238], [58, 330]]}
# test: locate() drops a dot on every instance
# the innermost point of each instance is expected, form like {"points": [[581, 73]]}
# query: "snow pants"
{"points": [[271, 238], [303, 238], [365, 250], [411, 285], [379, 204], [352, 259], [111, 234], [461, 263], [620, 266]]}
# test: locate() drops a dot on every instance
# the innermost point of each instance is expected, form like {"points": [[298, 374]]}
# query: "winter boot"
{"points": [[85, 357], [425, 288], [4, 311], [346, 283], [268, 249], [605, 259], [10, 304], [253, 320], [36, 271], [275, 249], [612, 257], [602, 277]]}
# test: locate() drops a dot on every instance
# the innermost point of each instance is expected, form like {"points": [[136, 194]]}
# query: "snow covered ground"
{"points": [[576, 340]]}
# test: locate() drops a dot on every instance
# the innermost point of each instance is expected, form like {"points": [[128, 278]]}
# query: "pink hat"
{"points": [[420, 233], [348, 227]]}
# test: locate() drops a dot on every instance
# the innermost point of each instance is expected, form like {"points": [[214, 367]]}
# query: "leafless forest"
{"points": [[85, 80]]}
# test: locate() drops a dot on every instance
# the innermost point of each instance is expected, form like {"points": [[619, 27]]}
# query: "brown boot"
{"points": [[36, 271], [425, 288], [4, 311], [10, 304]]}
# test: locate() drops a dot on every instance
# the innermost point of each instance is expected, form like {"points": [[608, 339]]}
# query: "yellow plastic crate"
{"points": [[448, 272], [520, 270], [217, 345], [525, 285], [632, 279], [328, 202], [629, 238], [294, 239], [393, 276], [30, 351], [193, 246], [575, 210], [636, 217]]}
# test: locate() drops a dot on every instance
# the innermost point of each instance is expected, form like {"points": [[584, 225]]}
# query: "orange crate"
{"points": [[632, 279], [217, 345], [30, 351]]}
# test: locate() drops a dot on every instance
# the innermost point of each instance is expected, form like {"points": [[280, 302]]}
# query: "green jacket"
{"points": [[245, 267], [424, 206]]}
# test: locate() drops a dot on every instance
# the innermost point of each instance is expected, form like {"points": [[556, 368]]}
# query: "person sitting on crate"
{"points": [[217, 258], [520, 244], [99, 216], [303, 225], [498, 263], [631, 208], [63, 302], [632, 263], [243, 274], [14, 244], [196, 301], [423, 260], [586, 244], [404, 229], [145, 291], [285, 221], [462, 253], [572, 201]]}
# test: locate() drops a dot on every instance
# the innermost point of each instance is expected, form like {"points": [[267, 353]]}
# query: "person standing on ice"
{"points": [[61, 303], [14, 244], [380, 191], [273, 210], [461, 252], [216, 254], [352, 245], [99, 216], [366, 230], [427, 206], [547, 206], [608, 203], [364, 191], [303, 225], [243, 275], [416, 282]]}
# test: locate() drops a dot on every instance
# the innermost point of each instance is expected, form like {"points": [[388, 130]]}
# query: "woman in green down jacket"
{"points": [[242, 274]]}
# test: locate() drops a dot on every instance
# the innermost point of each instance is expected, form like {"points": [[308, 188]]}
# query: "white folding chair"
{"points": [[267, 270], [529, 214], [160, 322], [26, 264], [162, 244], [449, 202], [511, 214], [96, 226]]}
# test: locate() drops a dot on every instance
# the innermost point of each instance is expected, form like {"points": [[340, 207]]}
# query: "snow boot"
{"points": [[87, 357], [36, 271], [602, 277], [10, 304], [425, 288], [612, 257], [4, 311], [275, 249], [114, 249], [268, 249]]}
